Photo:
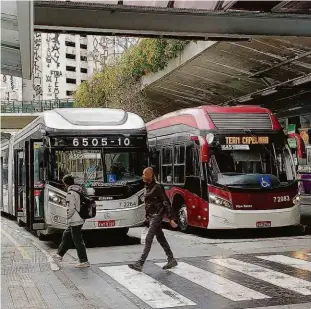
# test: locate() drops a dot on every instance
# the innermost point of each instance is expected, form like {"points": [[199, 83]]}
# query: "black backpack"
{"points": [[87, 207]]}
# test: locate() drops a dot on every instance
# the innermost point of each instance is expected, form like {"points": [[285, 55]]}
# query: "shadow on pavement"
{"points": [[247, 233], [95, 239]]}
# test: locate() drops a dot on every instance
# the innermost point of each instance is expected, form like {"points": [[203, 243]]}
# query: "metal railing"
{"points": [[34, 106]]}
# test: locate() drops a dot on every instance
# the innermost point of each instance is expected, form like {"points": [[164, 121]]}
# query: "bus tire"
{"points": [[42, 236], [182, 219]]}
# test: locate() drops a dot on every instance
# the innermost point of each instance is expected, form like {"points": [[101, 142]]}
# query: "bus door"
{"points": [[20, 185], [37, 186], [1, 184]]}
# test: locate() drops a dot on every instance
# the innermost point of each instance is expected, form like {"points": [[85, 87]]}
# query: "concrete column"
{"points": [[27, 90]]}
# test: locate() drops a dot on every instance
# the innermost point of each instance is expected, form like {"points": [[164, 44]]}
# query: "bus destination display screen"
{"points": [[243, 142], [99, 141]]}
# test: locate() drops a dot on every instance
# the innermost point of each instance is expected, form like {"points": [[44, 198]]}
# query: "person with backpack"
{"points": [[73, 233], [157, 205]]}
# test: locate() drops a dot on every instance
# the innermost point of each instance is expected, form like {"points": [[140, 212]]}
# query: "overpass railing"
{"points": [[34, 106]]}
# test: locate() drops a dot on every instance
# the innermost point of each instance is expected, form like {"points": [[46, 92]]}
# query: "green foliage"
{"points": [[118, 84]]}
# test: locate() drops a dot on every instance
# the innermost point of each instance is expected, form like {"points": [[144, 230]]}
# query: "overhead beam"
{"points": [[290, 60], [71, 16], [25, 28]]}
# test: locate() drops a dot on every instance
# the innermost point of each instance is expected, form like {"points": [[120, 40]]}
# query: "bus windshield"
{"points": [[98, 167], [257, 160]]}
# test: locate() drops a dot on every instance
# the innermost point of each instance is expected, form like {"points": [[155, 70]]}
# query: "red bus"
{"points": [[225, 167]]}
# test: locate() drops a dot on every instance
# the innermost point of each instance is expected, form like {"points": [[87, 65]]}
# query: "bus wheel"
{"points": [[41, 235], [183, 218]]}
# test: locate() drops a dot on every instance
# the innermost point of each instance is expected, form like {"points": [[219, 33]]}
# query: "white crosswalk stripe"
{"points": [[289, 261], [242, 288], [152, 292], [215, 283], [282, 280]]}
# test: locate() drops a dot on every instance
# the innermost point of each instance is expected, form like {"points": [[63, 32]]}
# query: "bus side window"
{"points": [[192, 161], [155, 162], [179, 164], [167, 164]]}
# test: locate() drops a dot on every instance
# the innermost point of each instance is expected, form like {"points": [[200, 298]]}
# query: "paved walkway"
{"points": [[30, 279]]}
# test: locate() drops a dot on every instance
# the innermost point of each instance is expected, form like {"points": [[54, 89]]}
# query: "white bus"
{"points": [[104, 149]]}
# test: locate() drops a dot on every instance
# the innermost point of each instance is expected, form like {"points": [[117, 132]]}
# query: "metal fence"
{"points": [[34, 106]]}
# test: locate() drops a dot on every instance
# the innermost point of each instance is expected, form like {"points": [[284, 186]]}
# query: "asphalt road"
{"points": [[268, 268]]}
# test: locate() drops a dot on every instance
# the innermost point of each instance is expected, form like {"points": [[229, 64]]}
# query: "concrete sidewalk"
{"points": [[30, 278]]}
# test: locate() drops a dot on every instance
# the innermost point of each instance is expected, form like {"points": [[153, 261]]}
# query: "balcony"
{"points": [[71, 50], [70, 38], [70, 74], [83, 40], [83, 52]]}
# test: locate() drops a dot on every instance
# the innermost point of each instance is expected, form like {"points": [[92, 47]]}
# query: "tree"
{"points": [[118, 85], [115, 87]]}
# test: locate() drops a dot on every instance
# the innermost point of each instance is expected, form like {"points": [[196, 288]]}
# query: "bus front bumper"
{"points": [[224, 218], [116, 218]]}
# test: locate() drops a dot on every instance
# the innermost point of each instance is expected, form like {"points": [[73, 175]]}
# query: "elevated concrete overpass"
{"points": [[16, 115], [274, 72], [189, 19]]}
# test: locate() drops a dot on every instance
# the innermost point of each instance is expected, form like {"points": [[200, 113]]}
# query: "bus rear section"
{"points": [[226, 168]]}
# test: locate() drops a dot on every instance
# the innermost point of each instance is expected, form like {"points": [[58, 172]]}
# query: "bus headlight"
{"points": [[212, 198], [57, 199], [296, 199]]}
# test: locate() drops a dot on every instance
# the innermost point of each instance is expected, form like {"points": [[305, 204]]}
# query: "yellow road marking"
{"points": [[23, 252]]}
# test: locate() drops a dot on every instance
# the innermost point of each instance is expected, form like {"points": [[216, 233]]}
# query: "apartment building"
{"points": [[61, 63]]}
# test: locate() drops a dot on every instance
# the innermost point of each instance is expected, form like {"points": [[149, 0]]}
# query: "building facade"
{"points": [[61, 63]]}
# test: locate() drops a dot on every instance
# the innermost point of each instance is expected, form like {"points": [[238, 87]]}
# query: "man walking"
{"points": [[73, 232], [156, 205]]}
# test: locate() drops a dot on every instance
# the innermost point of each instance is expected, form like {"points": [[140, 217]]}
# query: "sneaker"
{"points": [[83, 265], [57, 258], [170, 264], [136, 266]]}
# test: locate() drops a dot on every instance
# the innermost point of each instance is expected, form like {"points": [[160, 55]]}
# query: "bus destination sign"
{"points": [[99, 141], [246, 140]]}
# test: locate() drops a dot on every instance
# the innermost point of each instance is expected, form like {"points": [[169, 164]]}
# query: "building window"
{"points": [[83, 46], [83, 58], [83, 35], [71, 81], [83, 70], [71, 44], [70, 56], [69, 93], [70, 68]]}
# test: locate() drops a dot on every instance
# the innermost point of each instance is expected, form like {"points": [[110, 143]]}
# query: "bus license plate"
{"points": [[108, 223], [263, 224]]}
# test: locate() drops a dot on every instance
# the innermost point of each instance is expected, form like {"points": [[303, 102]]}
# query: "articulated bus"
{"points": [[225, 167], [104, 149]]}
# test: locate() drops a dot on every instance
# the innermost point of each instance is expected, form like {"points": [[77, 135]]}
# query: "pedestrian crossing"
{"points": [[240, 281]]}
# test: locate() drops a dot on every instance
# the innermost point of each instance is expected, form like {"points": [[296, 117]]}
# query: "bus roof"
{"points": [[83, 119], [213, 117]]}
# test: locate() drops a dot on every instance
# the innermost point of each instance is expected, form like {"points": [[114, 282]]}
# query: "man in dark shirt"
{"points": [[156, 204]]}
